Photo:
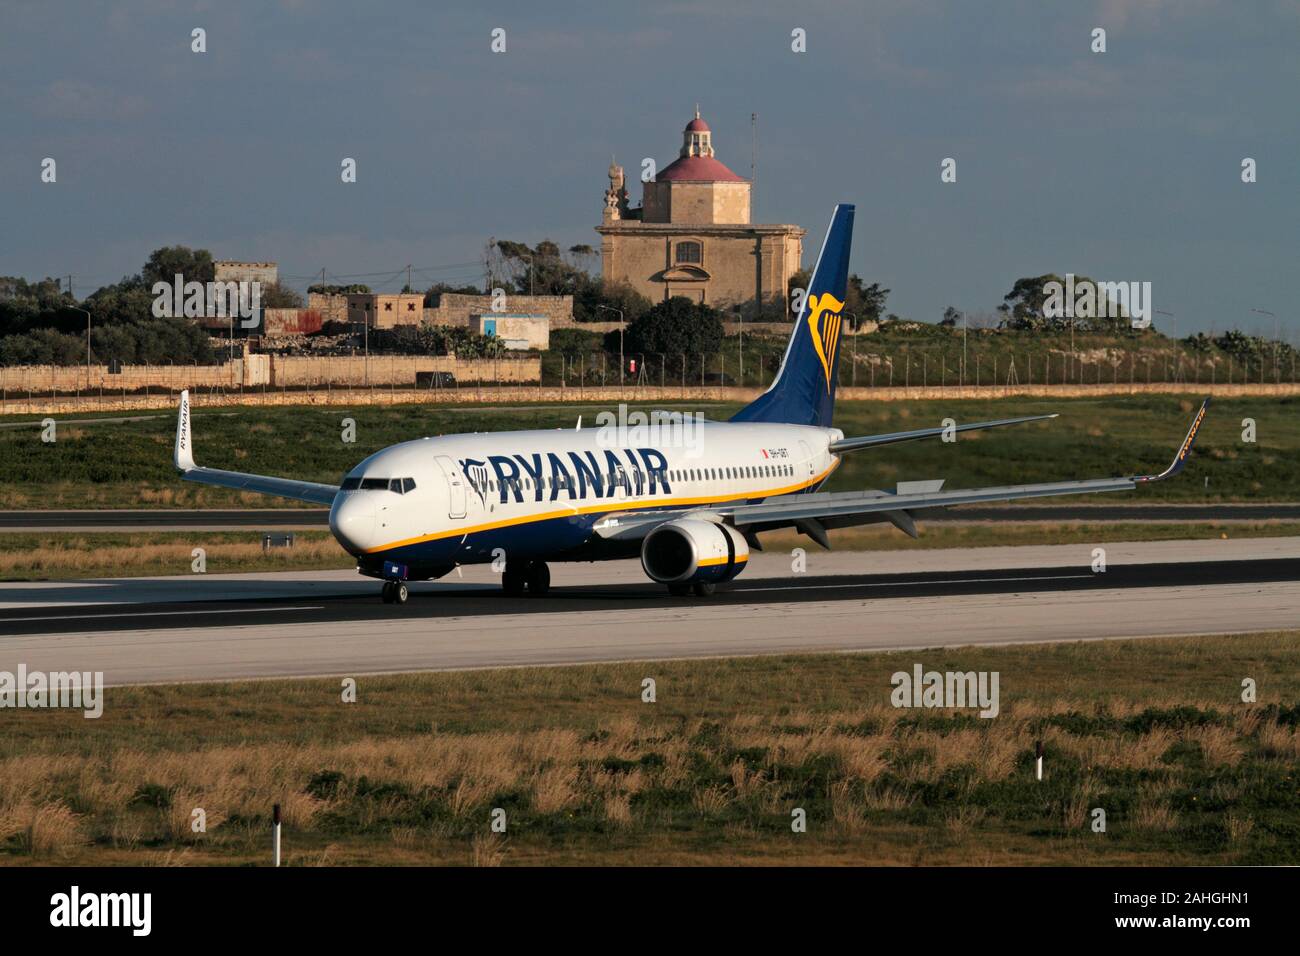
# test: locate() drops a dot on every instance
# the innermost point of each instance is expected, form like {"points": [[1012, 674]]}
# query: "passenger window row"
{"points": [[608, 479]]}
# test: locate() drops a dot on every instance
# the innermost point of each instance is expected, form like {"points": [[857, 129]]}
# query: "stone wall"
{"points": [[333, 308], [273, 371], [455, 309], [19, 404]]}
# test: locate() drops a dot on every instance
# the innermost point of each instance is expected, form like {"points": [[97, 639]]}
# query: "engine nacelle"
{"points": [[689, 550]]}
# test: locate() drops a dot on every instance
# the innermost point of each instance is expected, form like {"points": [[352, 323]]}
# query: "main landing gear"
{"points": [[395, 592], [699, 588], [533, 576]]}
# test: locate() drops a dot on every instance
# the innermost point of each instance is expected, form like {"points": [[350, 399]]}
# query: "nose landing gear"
{"points": [[395, 592]]}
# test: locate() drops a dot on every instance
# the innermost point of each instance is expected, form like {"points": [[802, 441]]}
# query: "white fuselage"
{"points": [[456, 499]]}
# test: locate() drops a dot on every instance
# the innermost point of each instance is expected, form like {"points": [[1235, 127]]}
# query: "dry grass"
{"points": [[57, 556], [488, 850], [712, 772]]}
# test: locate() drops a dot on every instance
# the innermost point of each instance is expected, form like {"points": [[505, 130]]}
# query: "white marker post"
{"points": [[1038, 754], [275, 831]]}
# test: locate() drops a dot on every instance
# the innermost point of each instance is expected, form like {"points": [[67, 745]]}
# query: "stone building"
{"points": [[457, 309], [231, 270], [692, 235], [381, 310]]}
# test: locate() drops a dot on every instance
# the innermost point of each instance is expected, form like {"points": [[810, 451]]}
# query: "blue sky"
{"points": [[1123, 165]]}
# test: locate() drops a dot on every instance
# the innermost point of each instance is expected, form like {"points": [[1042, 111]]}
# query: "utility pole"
{"points": [[1277, 333], [1178, 355], [409, 287], [1172, 316], [753, 148], [79, 309]]}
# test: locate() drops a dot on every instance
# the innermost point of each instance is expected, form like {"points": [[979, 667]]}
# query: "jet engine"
{"points": [[691, 552]]}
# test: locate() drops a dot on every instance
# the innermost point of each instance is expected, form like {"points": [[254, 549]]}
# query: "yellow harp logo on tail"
{"points": [[825, 330]]}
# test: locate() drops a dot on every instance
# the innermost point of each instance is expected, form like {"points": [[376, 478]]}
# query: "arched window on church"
{"points": [[690, 252]]}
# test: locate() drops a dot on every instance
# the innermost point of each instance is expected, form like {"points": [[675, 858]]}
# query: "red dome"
{"points": [[697, 125], [699, 169]]}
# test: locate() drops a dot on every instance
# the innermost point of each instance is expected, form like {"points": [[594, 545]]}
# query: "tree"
{"points": [[951, 316], [127, 301], [864, 301], [870, 300], [433, 294], [675, 326], [321, 288], [1025, 306], [29, 305], [164, 264], [588, 300], [276, 296]]}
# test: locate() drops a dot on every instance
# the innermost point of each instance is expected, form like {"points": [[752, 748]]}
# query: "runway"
{"points": [[128, 520], [216, 627]]}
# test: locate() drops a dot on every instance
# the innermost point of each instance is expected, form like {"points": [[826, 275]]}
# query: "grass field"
{"points": [[1153, 732], [129, 464], [63, 555]]}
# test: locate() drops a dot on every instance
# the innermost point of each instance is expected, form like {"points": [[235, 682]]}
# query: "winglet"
{"points": [[184, 455], [1180, 459]]}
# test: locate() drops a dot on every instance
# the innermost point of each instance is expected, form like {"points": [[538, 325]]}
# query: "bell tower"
{"points": [[697, 138]]}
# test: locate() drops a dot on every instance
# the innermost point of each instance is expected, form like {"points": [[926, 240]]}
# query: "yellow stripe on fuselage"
{"points": [[596, 509]]}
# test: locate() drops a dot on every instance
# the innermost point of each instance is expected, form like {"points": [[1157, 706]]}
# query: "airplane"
{"points": [[691, 508]]}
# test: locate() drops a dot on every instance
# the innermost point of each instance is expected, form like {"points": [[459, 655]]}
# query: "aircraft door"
{"points": [[455, 486], [808, 457]]}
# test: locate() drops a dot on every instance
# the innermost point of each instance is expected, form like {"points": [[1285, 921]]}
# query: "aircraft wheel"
{"points": [[400, 592], [679, 588], [539, 578], [703, 588], [513, 580], [387, 592]]}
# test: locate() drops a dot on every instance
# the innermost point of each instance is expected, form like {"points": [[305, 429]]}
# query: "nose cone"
{"points": [[352, 521]]}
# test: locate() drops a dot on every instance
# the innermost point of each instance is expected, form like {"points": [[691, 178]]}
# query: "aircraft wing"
{"points": [[813, 513], [262, 484], [893, 438]]}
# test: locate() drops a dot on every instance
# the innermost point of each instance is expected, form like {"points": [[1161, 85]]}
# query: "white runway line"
{"points": [[912, 584], [227, 610]]}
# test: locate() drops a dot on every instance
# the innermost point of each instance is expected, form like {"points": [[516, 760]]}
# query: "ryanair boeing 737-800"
{"points": [[690, 509]]}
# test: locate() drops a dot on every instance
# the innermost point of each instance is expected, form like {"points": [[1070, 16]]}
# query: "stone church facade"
{"points": [[692, 236]]}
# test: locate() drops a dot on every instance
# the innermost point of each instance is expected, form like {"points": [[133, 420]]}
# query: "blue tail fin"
{"points": [[804, 390]]}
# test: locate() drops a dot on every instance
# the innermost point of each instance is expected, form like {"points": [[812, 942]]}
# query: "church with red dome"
{"points": [[692, 236]]}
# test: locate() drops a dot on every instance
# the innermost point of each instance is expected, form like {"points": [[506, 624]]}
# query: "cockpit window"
{"points": [[399, 485]]}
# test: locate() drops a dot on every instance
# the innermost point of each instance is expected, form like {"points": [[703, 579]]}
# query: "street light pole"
{"points": [[610, 308]]}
